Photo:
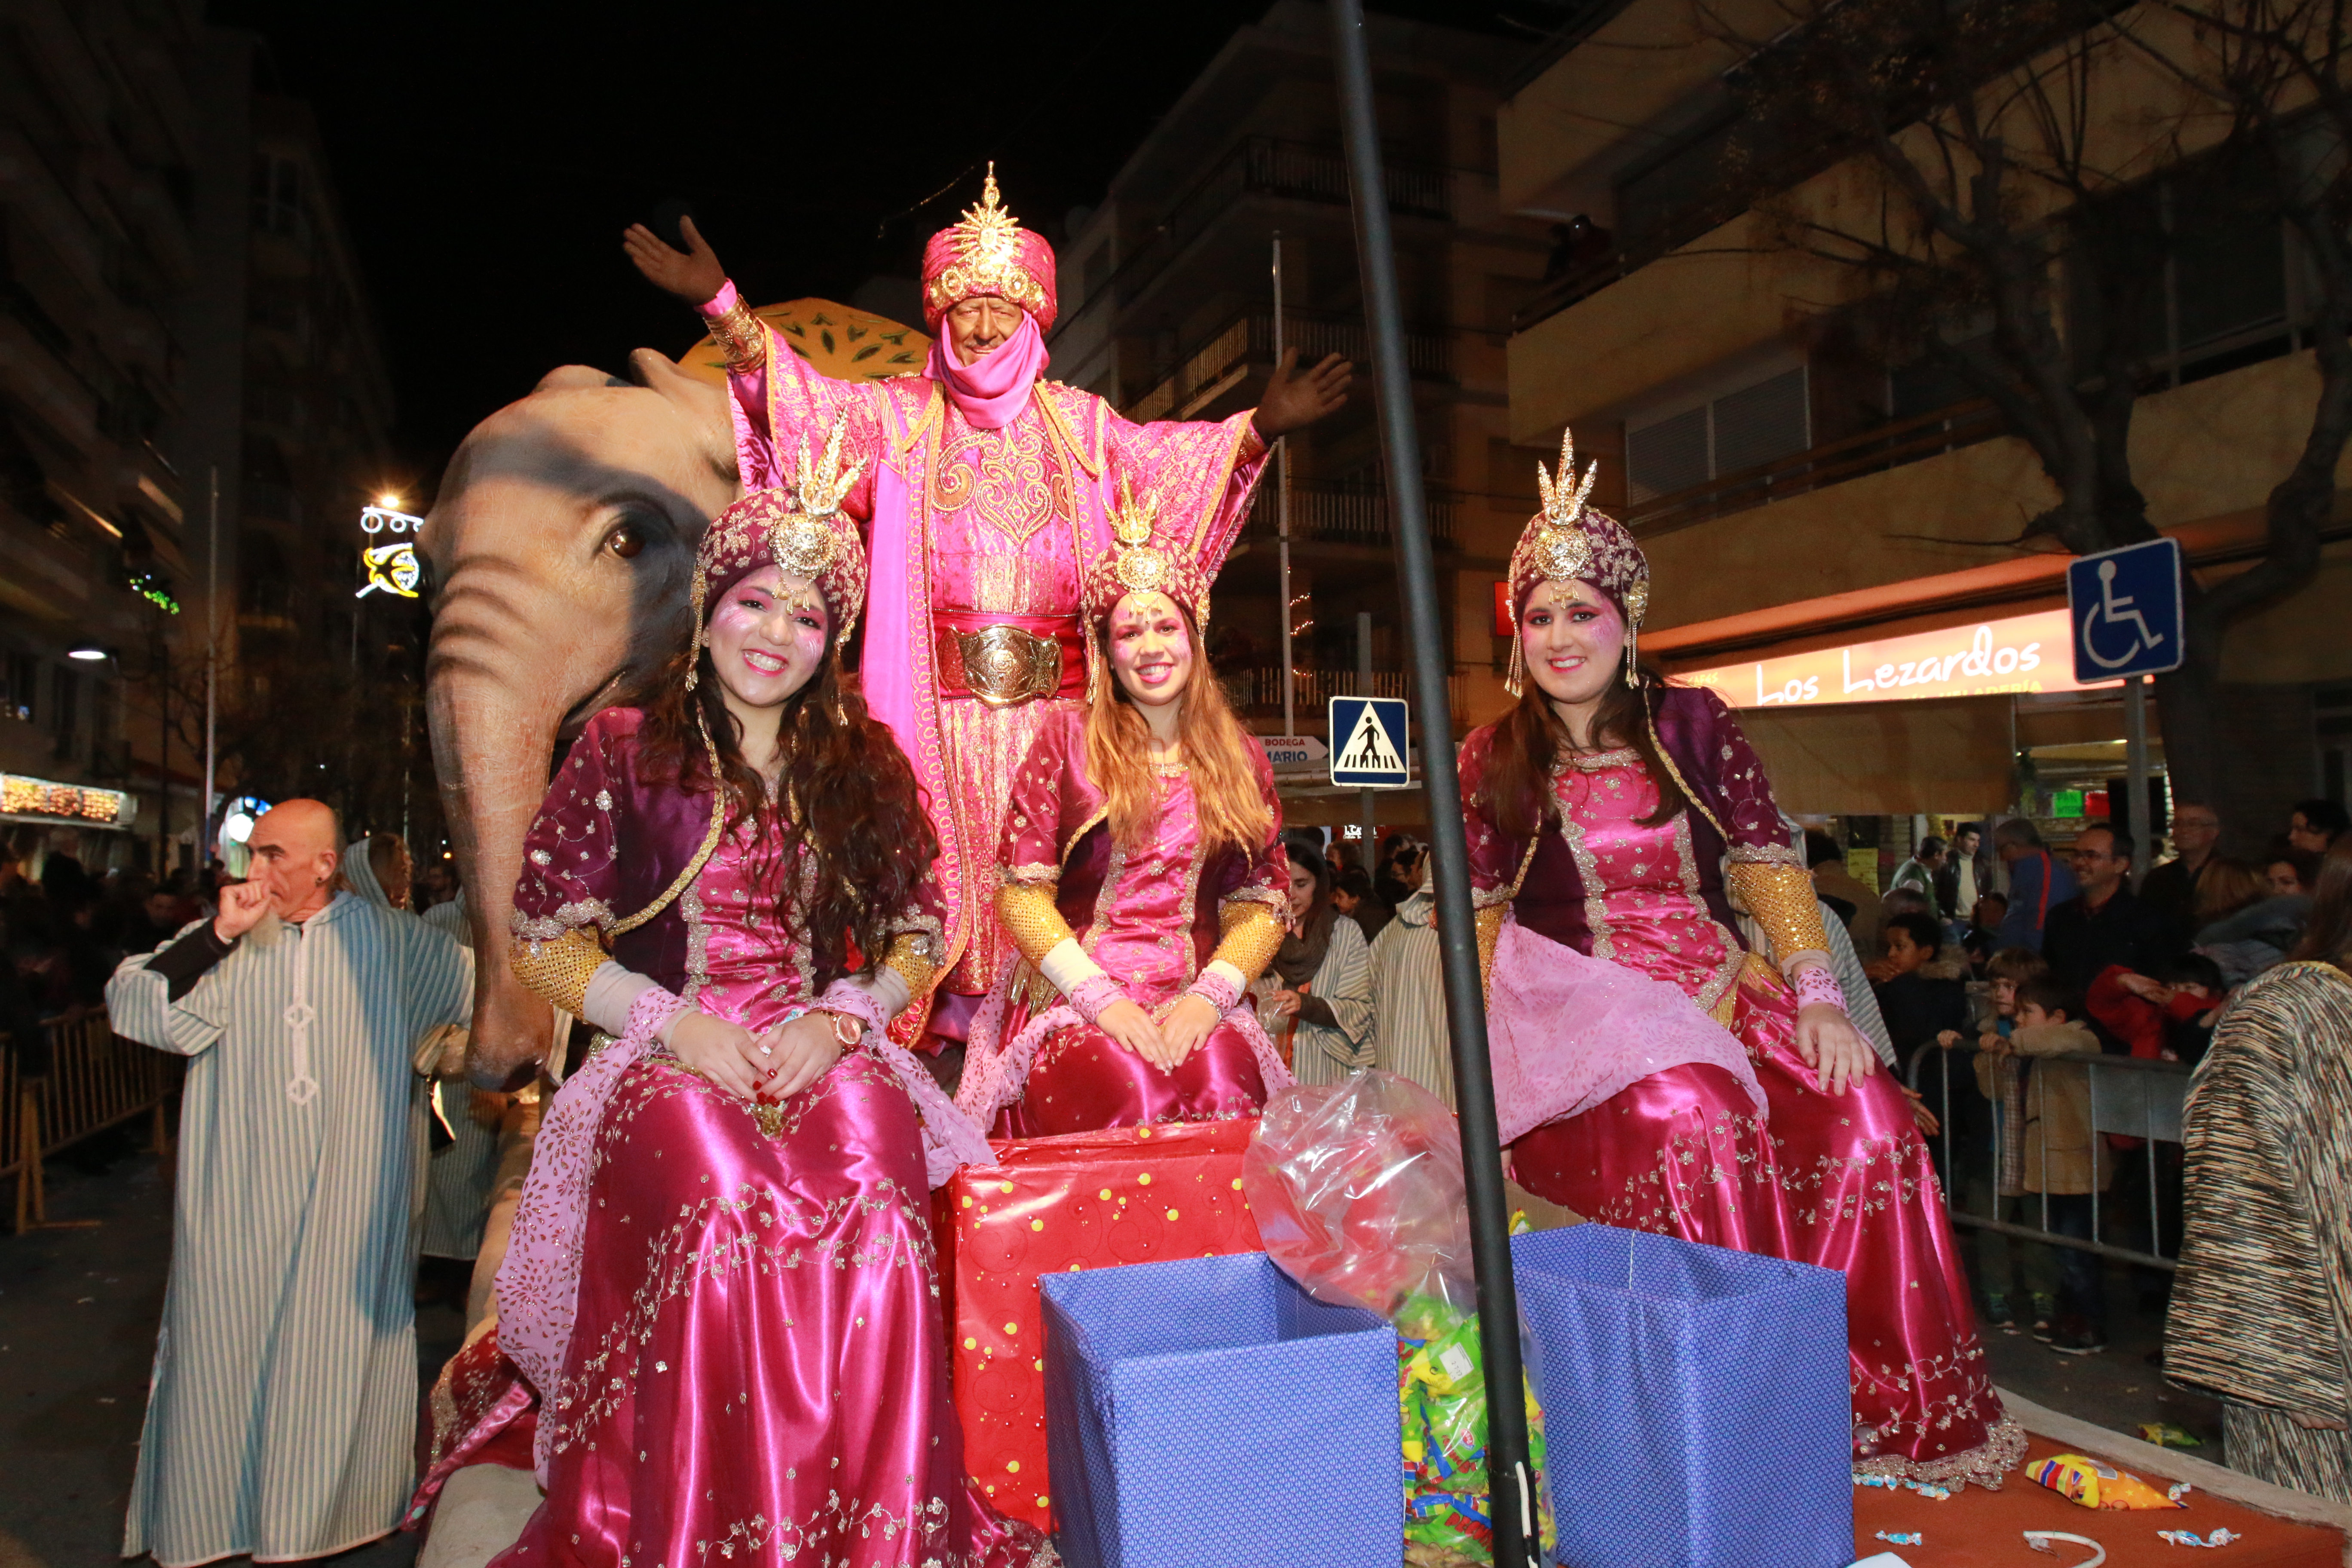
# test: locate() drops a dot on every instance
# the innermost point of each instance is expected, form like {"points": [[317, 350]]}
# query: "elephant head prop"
{"points": [[562, 546]]}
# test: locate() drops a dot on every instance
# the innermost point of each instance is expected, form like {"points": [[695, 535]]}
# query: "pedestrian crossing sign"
{"points": [[1368, 743]]}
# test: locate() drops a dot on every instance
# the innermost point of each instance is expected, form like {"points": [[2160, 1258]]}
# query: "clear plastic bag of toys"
{"points": [[1359, 1196]]}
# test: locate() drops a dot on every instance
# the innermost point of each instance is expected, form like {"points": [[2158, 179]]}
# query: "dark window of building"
{"points": [[277, 198], [1745, 427], [23, 674], [64, 707]]}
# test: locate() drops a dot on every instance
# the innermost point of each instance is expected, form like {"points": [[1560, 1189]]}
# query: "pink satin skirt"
{"points": [[1083, 1081], [1861, 1197], [758, 1370], [1681, 1152], [1845, 1183]]}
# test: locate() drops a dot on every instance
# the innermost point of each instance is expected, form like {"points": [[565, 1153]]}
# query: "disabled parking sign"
{"points": [[2125, 606], [1368, 743]]}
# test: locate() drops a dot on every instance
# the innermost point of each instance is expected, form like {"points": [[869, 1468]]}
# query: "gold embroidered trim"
{"points": [[740, 336], [914, 956], [1489, 921]]}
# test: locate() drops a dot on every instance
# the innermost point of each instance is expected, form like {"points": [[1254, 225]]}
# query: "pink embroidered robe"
{"points": [[1151, 917], [1843, 1182], [968, 528], [743, 1357]]}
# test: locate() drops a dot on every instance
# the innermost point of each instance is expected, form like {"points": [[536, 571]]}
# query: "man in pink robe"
{"points": [[985, 490]]}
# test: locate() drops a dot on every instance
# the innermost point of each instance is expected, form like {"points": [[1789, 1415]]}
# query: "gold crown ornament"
{"points": [[1140, 560], [801, 530], [987, 252], [1567, 541]]}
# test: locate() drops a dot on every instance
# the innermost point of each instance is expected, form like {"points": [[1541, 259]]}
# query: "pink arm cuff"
{"points": [[1816, 986], [719, 304], [1217, 990], [1093, 994]]}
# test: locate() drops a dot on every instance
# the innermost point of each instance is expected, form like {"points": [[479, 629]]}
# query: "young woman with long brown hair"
{"points": [[734, 886], [1650, 1071], [1143, 879]]}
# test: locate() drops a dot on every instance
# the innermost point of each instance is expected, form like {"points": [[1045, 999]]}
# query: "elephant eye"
{"points": [[625, 540]]}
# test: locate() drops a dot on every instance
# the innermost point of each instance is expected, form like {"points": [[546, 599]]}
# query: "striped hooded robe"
{"points": [[282, 1411]]}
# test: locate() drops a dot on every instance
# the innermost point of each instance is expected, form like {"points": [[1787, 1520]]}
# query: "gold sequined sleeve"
{"points": [[1035, 926], [1489, 921], [1782, 897], [1249, 933], [915, 956], [558, 969]]}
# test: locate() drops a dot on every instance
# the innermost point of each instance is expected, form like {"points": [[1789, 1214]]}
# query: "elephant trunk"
{"points": [[492, 742]]}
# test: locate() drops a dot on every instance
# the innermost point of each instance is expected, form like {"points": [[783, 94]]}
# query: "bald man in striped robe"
{"points": [[281, 1418]]}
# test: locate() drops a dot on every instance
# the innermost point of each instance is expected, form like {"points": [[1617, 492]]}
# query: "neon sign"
{"points": [[2019, 654], [390, 567]]}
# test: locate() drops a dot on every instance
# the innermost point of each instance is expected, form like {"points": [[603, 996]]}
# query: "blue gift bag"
{"points": [[1210, 1413], [1697, 1408]]}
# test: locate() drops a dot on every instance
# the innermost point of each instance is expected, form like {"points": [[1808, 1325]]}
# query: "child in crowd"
{"points": [[2025, 1268], [1984, 931], [2168, 1018], [1920, 1004], [2064, 1161]]}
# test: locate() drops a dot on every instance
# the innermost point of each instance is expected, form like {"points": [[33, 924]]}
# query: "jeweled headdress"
{"points": [[987, 251], [1141, 562], [800, 528], [1567, 541]]}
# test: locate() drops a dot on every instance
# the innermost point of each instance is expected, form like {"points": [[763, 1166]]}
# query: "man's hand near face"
{"points": [[242, 906]]}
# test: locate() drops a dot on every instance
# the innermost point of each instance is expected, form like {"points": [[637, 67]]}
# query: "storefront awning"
{"points": [[1887, 758]]}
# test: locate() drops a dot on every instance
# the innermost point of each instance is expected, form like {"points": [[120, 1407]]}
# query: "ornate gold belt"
{"points": [[1002, 663]]}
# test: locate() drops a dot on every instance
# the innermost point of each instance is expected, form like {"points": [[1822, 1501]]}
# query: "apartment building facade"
{"points": [[1168, 311], [1813, 514], [179, 318]]}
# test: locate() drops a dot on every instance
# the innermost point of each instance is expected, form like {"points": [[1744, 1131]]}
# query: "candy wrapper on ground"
{"points": [[1049, 1205], [1358, 1192], [2095, 1485]]}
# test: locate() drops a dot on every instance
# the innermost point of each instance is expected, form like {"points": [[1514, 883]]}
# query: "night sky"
{"points": [[486, 157]]}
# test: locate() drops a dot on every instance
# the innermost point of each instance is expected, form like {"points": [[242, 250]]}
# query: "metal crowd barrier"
{"points": [[94, 1081], [2130, 1096]]}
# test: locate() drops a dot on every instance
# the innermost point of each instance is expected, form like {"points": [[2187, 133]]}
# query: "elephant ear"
{"points": [[703, 403]]}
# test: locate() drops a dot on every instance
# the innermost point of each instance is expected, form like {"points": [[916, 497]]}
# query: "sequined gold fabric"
{"points": [[1489, 921], [915, 955], [1249, 935], [1782, 899], [981, 746], [558, 970], [1029, 915]]}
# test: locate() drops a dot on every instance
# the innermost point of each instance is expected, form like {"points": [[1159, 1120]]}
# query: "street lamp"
{"points": [[90, 653]]}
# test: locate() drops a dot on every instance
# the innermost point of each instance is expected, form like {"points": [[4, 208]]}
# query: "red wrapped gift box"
{"points": [[1084, 1200]]}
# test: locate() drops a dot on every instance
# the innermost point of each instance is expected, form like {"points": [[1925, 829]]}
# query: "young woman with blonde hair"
{"points": [[1143, 879]]}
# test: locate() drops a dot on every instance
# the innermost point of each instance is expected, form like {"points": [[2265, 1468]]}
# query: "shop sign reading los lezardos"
{"points": [[2021, 653]]}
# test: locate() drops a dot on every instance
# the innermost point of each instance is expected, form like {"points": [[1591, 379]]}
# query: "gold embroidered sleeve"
{"points": [[1782, 899], [1249, 934], [1029, 916], [558, 969], [915, 955], [740, 336], [1489, 921]]}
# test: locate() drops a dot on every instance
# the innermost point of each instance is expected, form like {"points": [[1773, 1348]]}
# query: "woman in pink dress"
{"points": [[721, 1281], [1654, 1072], [1143, 879]]}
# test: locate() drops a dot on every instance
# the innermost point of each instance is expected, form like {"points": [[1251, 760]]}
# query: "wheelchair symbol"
{"points": [[2115, 609]]}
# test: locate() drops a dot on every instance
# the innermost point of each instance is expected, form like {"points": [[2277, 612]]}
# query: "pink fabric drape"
{"points": [[1568, 1032], [992, 389]]}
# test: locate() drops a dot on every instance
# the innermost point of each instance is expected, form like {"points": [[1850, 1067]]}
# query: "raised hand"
{"points": [[242, 905], [1293, 402], [693, 275]]}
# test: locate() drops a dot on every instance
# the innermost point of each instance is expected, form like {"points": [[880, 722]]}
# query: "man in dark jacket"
{"points": [[2105, 923]]}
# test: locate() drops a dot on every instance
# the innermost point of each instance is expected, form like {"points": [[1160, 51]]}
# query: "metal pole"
{"points": [[1518, 1542], [1368, 804], [163, 670], [1282, 518], [212, 648], [2143, 827]]}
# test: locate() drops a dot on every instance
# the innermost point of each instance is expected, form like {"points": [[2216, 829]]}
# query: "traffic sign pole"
{"points": [[2143, 815], [1366, 804], [1510, 1478]]}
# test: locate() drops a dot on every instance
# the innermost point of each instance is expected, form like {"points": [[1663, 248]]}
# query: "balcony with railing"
{"points": [[1890, 446], [1345, 511], [1265, 166], [1259, 691], [1221, 359]]}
